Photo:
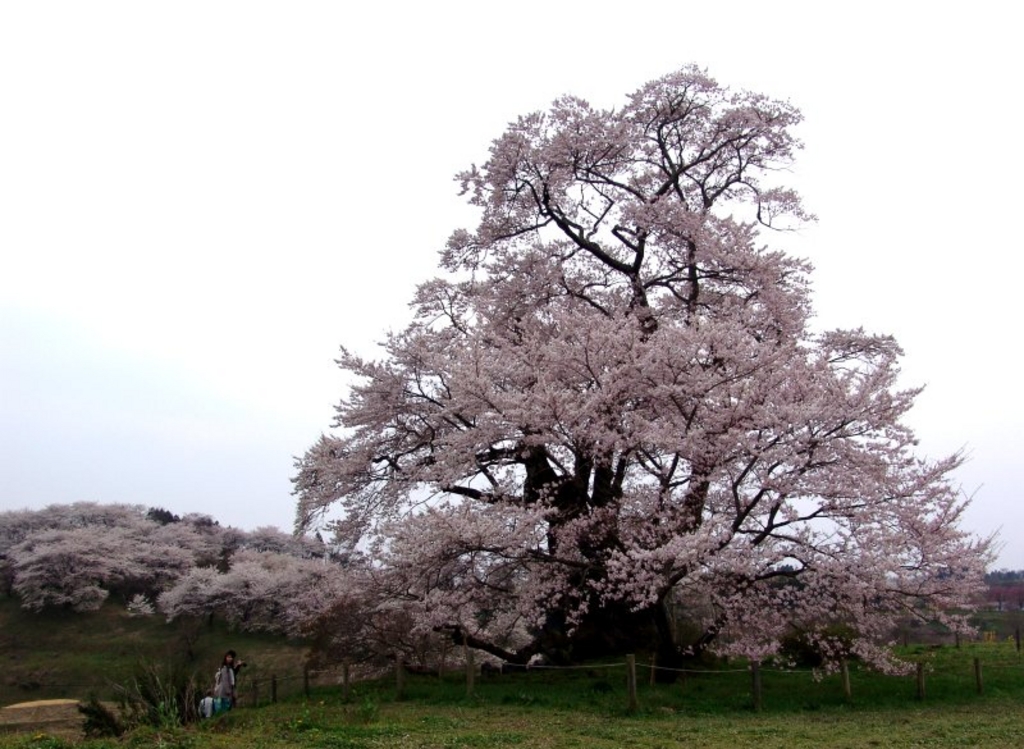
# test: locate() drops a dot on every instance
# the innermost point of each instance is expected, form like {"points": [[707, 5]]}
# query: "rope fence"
{"points": [[262, 689], [755, 669]]}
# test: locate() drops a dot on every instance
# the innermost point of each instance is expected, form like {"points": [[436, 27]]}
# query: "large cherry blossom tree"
{"points": [[611, 409]]}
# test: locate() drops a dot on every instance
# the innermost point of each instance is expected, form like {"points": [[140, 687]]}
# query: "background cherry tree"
{"points": [[78, 556], [611, 410]]}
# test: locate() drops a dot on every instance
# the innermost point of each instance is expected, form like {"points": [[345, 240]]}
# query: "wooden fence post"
{"points": [[305, 680], [399, 677], [631, 682], [920, 681], [255, 692], [444, 658], [1016, 638], [654, 666], [977, 676], [345, 683], [755, 684], [467, 653], [273, 688], [847, 691]]}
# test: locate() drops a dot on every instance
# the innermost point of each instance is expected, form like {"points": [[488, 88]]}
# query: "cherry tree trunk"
{"points": [[613, 630]]}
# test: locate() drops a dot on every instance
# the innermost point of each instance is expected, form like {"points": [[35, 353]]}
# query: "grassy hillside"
{"points": [[57, 654]]}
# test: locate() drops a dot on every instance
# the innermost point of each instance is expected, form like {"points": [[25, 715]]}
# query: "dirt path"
{"points": [[53, 717]]}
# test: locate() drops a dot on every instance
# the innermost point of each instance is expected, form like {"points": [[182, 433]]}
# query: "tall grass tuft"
{"points": [[163, 696], [100, 720], [158, 696]]}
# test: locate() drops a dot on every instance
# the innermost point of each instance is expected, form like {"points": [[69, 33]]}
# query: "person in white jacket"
{"points": [[206, 705]]}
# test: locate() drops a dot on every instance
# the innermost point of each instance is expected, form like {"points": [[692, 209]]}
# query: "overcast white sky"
{"points": [[200, 201]]}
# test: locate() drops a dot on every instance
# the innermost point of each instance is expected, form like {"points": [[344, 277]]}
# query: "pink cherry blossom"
{"points": [[611, 411]]}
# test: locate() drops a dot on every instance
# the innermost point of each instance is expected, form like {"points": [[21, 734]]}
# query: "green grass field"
{"points": [[585, 708], [581, 710]]}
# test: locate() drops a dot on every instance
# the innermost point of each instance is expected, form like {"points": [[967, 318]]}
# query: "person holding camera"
{"points": [[224, 694]]}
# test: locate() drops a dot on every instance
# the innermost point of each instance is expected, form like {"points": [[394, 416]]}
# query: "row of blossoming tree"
{"points": [[611, 410], [75, 556], [82, 556]]}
